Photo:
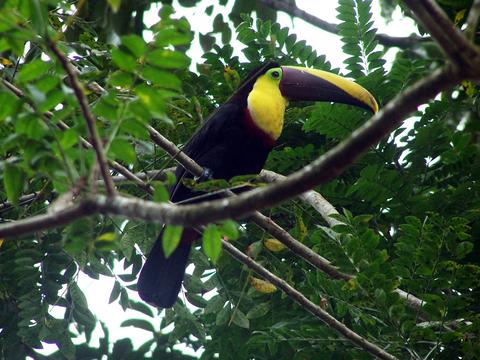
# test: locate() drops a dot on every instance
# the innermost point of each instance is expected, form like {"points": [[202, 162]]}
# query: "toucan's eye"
{"points": [[275, 74]]}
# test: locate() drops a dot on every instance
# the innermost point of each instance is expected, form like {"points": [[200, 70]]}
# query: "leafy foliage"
{"points": [[410, 205]]}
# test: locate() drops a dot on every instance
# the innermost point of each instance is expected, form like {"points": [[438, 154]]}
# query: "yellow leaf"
{"points": [[5, 62], [1, 242], [231, 77], [351, 285], [459, 16], [114, 4], [109, 236], [262, 286], [274, 245], [469, 87]]}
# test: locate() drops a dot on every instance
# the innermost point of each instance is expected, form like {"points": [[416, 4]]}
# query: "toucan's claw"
{"points": [[207, 174]]}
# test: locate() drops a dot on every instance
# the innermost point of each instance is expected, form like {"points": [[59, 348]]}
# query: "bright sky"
{"points": [[98, 292]]}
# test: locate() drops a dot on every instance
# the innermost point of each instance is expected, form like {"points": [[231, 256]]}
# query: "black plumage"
{"points": [[228, 145]]}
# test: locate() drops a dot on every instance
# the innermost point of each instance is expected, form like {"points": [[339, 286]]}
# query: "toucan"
{"points": [[236, 140]]}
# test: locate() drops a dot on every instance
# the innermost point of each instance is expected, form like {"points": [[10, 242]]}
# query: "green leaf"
{"points": [[161, 193], [123, 150], [13, 180], [160, 77], [139, 324], [168, 59], [9, 105], [223, 316], [114, 5], [39, 19], [170, 36], [240, 319], [135, 44], [115, 292], [120, 78], [124, 60], [171, 238], [258, 310], [140, 307], [229, 228], [32, 70], [212, 243]]}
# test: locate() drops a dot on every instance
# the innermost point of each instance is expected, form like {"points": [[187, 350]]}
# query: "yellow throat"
{"points": [[267, 106]]}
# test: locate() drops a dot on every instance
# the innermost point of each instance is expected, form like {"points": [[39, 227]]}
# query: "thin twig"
{"points": [[63, 126], [313, 198], [300, 299], [89, 119], [291, 9]]}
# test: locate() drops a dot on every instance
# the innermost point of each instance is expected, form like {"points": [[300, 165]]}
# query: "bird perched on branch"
{"points": [[236, 140]]}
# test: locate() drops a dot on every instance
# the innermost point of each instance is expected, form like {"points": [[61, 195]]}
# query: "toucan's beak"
{"points": [[304, 84]]}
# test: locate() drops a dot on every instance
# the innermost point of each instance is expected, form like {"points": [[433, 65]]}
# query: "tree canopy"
{"points": [[379, 259]]}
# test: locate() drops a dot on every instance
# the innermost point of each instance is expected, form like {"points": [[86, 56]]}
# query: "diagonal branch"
{"points": [[472, 19], [300, 299], [456, 46], [326, 167], [90, 120], [319, 171], [47, 221], [291, 9], [63, 126], [313, 198]]}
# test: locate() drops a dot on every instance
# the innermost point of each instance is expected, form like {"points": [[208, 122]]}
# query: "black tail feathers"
{"points": [[161, 278]]}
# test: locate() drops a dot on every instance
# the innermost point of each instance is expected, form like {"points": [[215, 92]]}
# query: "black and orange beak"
{"points": [[303, 84]]}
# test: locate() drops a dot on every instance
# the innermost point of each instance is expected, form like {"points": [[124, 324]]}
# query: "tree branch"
{"points": [[62, 126], [326, 167], [300, 299], [47, 221], [458, 49], [291, 9], [313, 198], [472, 20], [90, 120]]}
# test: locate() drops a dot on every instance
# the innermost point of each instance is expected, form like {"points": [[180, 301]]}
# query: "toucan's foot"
{"points": [[207, 174]]}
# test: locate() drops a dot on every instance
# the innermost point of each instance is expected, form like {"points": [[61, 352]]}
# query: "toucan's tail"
{"points": [[161, 278]]}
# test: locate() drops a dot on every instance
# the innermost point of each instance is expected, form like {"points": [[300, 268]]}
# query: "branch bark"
{"points": [[391, 41], [313, 198], [472, 20], [461, 52], [47, 221], [90, 120], [300, 299], [326, 167]]}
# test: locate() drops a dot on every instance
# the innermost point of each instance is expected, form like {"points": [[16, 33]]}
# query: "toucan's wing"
{"points": [[207, 141]]}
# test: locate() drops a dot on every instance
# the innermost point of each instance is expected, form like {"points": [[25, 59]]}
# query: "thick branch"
{"points": [[311, 197], [325, 167], [300, 299], [47, 221], [459, 50], [90, 120], [291, 9], [472, 19]]}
